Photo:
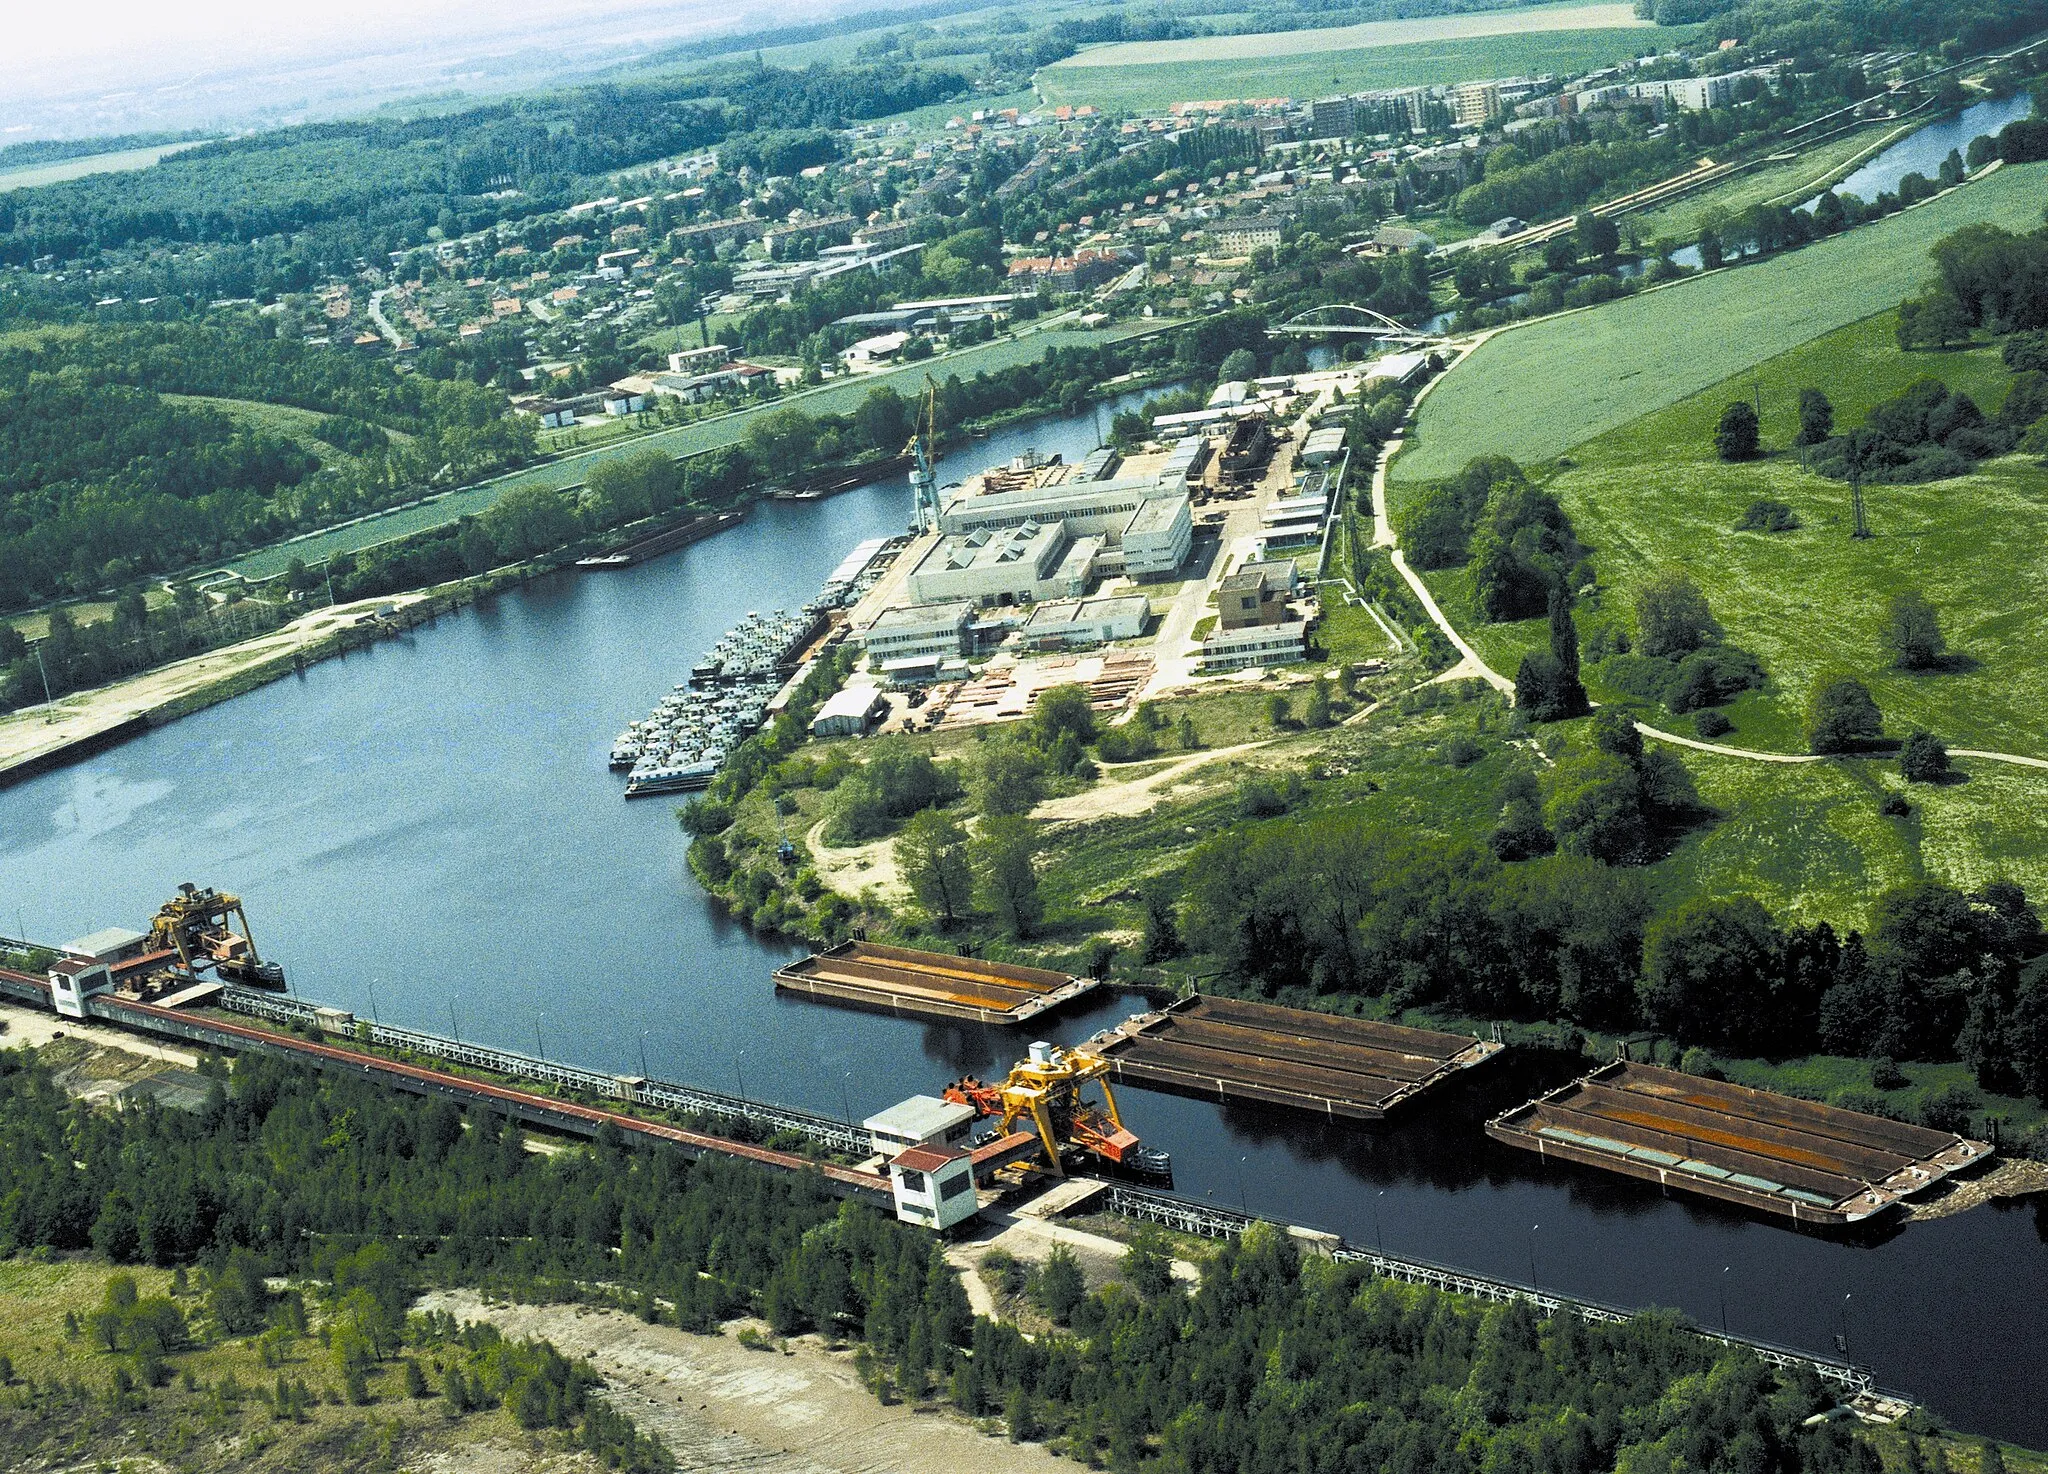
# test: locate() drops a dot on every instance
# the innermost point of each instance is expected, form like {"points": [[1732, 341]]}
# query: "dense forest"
{"points": [[102, 480], [1270, 1363]]}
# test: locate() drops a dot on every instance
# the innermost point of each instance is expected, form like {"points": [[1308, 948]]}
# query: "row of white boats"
{"points": [[684, 741]]}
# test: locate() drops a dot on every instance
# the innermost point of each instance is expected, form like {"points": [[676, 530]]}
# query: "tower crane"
{"points": [[924, 452]]}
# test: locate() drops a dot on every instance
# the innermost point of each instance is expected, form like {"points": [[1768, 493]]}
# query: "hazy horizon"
{"points": [[235, 64]]}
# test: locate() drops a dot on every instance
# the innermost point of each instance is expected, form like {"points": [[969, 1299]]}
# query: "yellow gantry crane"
{"points": [[1046, 1089], [198, 924]]}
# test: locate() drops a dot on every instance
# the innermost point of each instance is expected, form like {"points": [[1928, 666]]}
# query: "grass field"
{"points": [[1264, 45], [1535, 391], [29, 176], [1155, 86], [1652, 495], [1781, 183], [683, 440], [1809, 840], [288, 420]]}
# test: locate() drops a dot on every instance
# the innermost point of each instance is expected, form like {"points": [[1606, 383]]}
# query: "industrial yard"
{"points": [[1192, 559]]}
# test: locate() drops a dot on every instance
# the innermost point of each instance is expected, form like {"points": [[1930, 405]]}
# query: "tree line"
{"points": [[1270, 1362]]}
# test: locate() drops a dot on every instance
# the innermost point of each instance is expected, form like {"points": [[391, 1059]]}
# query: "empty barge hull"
{"points": [[1228, 1049], [1815, 1164], [931, 984]]}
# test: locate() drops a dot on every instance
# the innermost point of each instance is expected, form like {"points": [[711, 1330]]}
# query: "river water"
{"points": [[1922, 152], [426, 831]]}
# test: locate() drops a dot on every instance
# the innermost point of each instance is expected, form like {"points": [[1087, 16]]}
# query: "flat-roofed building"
{"points": [[1062, 623], [1158, 538], [1257, 594], [920, 632], [1010, 565], [1475, 104], [1274, 644], [922, 1120]]}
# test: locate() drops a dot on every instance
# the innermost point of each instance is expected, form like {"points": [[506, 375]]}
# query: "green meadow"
{"points": [[1534, 391]]}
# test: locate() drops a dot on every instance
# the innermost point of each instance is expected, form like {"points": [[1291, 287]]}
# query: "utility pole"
{"points": [[49, 702]]}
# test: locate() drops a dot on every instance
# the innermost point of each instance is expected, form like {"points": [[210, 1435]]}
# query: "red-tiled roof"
{"points": [[926, 1158]]}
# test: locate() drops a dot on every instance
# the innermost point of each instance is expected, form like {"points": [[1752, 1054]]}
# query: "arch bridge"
{"points": [[1343, 319]]}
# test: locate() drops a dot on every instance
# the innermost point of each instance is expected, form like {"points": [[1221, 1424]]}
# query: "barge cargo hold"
{"points": [[1229, 1049], [931, 984], [1816, 1164], [654, 544]]}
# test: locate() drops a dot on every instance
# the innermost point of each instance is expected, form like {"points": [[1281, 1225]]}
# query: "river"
{"points": [[1922, 152], [426, 831]]}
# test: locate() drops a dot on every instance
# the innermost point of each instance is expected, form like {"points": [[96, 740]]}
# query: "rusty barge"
{"points": [[1230, 1049], [1816, 1164], [930, 984]]}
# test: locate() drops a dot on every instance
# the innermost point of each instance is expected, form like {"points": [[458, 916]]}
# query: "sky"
{"points": [[146, 35]]}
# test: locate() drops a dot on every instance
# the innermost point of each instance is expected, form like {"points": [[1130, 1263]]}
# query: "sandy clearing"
{"points": [[26, 734], [719, 1405], [1127, 800], [1356, 38], [857, 867], [27, 1027]]}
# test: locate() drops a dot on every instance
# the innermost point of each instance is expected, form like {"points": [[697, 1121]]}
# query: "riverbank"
{"points": [[36, 739]]}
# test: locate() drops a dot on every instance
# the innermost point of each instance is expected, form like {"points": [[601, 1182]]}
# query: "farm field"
{"points": [[692, 439], [29, 176], [1382, 33], [1534, 391], [1781, 183], [1155, 86]]}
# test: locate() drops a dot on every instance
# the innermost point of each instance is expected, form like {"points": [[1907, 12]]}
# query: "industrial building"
{"points": [[1135, 511], [1256, 595], [1235, 649], [933, 1187], [920, 637], [1322, 446], [1066, 623], [922, 1120], [850, 712], [1158, 537], [1009, 565]]}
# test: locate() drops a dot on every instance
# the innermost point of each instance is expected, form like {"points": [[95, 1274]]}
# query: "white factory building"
{"points": [[1010, 565], [1032, 531]]}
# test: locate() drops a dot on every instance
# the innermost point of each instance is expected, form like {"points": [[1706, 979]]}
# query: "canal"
{"points": [[426, 831]]}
